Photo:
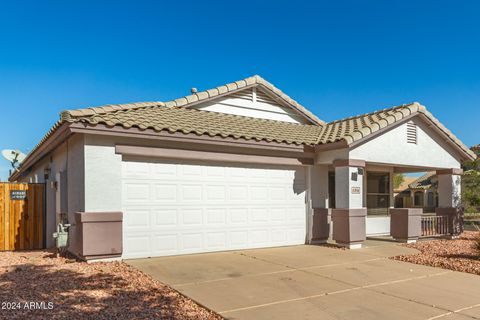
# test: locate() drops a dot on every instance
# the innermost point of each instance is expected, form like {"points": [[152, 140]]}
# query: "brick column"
{"points": [[348, 217], [449, 199]]}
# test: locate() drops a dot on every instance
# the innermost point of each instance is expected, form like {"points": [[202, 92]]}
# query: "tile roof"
{"points": [[198, 97], [404, 185], [423, 182], [175, 115], [358, 127], [178, 119]]}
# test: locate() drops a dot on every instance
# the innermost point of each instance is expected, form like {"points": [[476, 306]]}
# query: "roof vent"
{"points": [[411, 132], [193, 90]]}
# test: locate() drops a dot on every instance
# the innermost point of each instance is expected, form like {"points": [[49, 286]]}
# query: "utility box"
{"points": [[99, 234], [61, 236]]}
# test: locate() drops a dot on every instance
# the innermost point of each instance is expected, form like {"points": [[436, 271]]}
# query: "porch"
{"points": [[360, 203]]}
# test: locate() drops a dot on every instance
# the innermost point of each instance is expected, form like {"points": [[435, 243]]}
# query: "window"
{"points": [[411, 132], [430, 199], [418, 199], [378, 193]]}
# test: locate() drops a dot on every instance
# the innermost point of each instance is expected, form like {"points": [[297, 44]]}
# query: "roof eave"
{"points": [[51, 140]]}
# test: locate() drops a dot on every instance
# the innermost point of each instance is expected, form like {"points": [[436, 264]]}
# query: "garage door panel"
{"points": [[179, 208], [164, 192], [216, 216], [238, 216], [164, 243], [191, 192], [216, 240], [238, 193], [191, 241], [192, 217], [164, 218], [137, 244], [215, 192], [137, 219], [136, 192]]}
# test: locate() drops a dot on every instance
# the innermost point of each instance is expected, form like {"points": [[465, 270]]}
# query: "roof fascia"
{"points": [[56, 138], [101, 129]]}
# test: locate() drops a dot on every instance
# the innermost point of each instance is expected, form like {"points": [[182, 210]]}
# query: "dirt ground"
{"points": [[37, 284], [458, 254]]}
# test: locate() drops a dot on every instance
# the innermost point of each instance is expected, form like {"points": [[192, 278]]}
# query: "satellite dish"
{"points": [[15, 157]]}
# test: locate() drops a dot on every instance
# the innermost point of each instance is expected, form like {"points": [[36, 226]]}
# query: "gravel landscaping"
{"points": [[37, 284], [458, 254]]}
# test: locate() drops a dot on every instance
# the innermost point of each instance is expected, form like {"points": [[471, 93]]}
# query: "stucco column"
{"points": [[449, 188], [449, 198], [348, 217]]}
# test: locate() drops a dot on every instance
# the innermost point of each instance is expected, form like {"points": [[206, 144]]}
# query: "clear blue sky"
{"points": [[338, 58]]}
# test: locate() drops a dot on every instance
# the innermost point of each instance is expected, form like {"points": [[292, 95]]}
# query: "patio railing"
{"points": [[433, 226]]}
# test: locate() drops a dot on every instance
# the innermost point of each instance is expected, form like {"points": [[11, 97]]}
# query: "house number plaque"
{"points": [[355, 190]]}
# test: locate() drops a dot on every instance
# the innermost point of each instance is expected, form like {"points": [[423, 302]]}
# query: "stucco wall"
{"points": [[345, 198], [319, 185], [391, 147], [103, 168], [449, 190], [75, 183], [68, 155]]}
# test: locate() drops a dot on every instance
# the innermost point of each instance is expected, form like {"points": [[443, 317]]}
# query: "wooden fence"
{"points": [[434, 226], [22, 216]]}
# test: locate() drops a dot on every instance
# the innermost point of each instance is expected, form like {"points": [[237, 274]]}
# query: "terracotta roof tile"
{"points": [[356, 128], [423, 182], [203, 95], [175, 116], [177, 119]]}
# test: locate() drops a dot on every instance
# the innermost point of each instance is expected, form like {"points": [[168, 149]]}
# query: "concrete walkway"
{"points": [[314, 282]]}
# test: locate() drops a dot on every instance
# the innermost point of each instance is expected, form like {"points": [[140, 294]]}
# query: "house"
{"points": [[239, 166], [403, 186], [420, 193]]}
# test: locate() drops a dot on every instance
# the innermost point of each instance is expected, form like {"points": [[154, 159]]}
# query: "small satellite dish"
{"points": [[15, 157]]}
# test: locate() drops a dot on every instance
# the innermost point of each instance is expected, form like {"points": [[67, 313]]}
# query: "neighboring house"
{"points": [[420, 193], [399, 192], [404, 185], [238, 166]]}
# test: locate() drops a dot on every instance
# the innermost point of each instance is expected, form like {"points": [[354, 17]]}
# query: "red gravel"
{"points": [[458, 254], [78, 290]]}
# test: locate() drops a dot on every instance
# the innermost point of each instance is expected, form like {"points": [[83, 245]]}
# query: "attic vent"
{"points": [[245, 95], [411, 132], [262, 97]]}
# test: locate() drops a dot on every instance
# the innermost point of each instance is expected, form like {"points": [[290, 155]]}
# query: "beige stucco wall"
{"points": [[391, 147], [66, 157]]}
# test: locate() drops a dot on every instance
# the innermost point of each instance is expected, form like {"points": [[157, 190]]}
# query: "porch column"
{"points": [[449, 198], [348, 217]]}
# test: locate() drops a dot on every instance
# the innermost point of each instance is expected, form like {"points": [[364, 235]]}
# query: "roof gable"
{"points": [[205, 96], [255, 102], [355, 130]]}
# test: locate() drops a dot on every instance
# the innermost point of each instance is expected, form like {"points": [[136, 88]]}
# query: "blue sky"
{"points": [[338, 58]]}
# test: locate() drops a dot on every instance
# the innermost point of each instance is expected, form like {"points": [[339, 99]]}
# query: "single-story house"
{"points": [[420, 193], [239, 166], [403, 186]]}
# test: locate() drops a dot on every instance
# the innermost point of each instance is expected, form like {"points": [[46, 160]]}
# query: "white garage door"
{"points": [[172, 209]]}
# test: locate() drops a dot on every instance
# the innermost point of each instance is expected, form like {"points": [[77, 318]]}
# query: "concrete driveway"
{"points": [[314, 282]]}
